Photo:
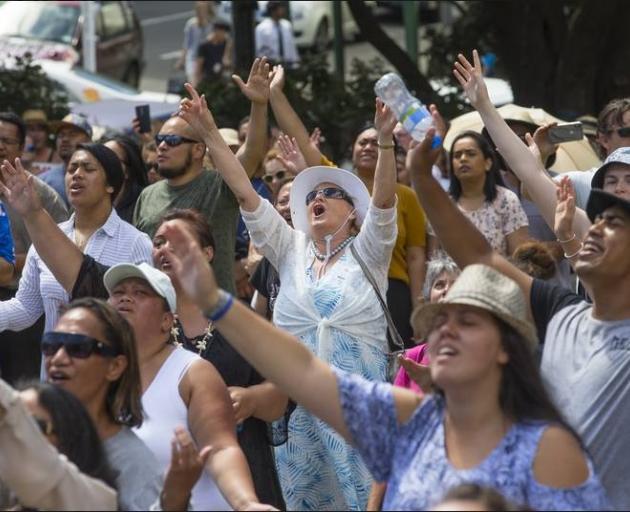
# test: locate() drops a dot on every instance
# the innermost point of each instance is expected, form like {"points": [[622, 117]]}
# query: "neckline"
{"points": [[485, 461]]}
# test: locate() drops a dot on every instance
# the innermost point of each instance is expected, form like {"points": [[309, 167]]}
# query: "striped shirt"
{"points": [[114, 242]]}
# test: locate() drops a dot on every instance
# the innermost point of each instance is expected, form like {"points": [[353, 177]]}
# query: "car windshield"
{"points": [[103, 80], [52, 21]]}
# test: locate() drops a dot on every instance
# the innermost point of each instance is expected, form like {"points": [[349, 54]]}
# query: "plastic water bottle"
{"points": [[413, 115]]}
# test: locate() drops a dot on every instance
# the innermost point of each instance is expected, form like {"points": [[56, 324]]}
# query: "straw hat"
{"points": [[310, 178], [483, 287]]}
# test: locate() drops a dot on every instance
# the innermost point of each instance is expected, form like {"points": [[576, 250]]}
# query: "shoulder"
{"points": [[560, 461], [505, 194], [405, 192]]}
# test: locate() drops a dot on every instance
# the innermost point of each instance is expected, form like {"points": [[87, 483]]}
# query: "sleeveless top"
{"points": [[164, 410]]}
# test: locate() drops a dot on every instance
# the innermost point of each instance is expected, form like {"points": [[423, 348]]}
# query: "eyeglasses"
{"points": [[76, 345], [279, 175], [9, 142], [328, 193], [173, 140], [624, 131], [44, 425]]}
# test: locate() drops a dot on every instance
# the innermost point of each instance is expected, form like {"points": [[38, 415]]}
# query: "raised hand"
{"points": [[18, 188], [565, 209], [195, 112], [184, 470], [470, 77], [316, 137], [257, 87], [420, 374], [384, 121], [540, 144], [189, 264], [422, 155], [277, 78], [290, 154], [145, 137]]}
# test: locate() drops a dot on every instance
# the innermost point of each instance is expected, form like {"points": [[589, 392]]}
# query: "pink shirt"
{"points": [[420, 355]]}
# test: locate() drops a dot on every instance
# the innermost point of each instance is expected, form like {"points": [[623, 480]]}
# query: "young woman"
{"points": [[477, 188], [93, 179], [331, 209], [490, 422]]}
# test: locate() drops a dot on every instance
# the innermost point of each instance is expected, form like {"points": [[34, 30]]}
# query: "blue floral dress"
{"points": [[412, 457]]}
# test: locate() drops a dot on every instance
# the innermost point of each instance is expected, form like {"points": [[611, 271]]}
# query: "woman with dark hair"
{"points": [[134, 170], [94, 177], [490, 420], [477, 188]]}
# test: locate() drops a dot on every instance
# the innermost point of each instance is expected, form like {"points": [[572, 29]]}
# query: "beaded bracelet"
{"points": [[221, 308], [385, 146], [569, 256]]}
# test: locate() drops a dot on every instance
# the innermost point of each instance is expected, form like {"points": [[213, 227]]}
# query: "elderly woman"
{"points": [[325, 297], [490, 422]]}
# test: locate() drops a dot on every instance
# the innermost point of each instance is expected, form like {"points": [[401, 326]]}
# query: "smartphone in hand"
{"points": [[144, 118], [566, 132]]}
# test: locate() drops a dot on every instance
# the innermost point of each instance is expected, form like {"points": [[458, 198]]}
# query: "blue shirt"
{"points": [[7, 248], [242, 235], [412, 457]]}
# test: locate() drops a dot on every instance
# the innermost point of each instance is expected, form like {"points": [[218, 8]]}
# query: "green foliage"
{"points": [[317, 95], [25, 86]]}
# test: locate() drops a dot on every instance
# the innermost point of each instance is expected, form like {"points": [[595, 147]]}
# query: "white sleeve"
{"points": [[291, 51], [27, 306], [375, 242], [269, 232], [32, 468]]}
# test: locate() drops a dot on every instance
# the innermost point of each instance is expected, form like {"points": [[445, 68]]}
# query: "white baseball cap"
{"points": [[158, 280]]}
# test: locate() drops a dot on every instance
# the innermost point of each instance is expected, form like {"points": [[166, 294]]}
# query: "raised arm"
{"points": [[384, 190], [195, 112], [457, 235], [288, 120], [56, 250], [529, 169], [256, 90]]}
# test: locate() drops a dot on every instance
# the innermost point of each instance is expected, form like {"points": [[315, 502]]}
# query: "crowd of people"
{"points": [[220, 318]]}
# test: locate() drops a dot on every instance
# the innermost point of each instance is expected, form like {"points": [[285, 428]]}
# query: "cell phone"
{"points": [[566, 132], [143, 114]]}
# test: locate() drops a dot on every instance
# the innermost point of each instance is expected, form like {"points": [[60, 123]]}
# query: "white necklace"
{"points": [[336, 250]]}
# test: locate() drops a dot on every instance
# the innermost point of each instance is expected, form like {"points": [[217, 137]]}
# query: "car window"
{"points": [[113, 19], [52, 21]]}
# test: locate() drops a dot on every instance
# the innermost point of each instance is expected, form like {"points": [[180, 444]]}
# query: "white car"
{"points": [[312, 21]]}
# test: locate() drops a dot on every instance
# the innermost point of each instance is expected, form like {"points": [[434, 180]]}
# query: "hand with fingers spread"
{"points": [[184, 471], [277, 78], [540, 144], [384, 121], [565, 210], [419, 373], [195, 112], [290, 154], [243, 403], [470, 77], [257, 87], [19, 189]]}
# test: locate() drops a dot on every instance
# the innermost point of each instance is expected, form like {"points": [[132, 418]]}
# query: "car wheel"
{"points": [[132, 75], [322, 36]]}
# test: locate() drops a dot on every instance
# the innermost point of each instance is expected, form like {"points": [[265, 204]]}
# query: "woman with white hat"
{"points": [[325, 297], [490, 420]]}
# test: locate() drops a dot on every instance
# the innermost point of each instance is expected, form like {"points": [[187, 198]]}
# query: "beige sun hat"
{"points": [[483, 287]]}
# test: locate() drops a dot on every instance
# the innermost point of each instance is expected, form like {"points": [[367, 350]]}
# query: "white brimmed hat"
{"points": [[158, 280], [483, 287], [310, 178]]}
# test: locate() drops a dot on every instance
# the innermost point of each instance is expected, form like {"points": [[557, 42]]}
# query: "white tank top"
{"points": [[164, 410]]}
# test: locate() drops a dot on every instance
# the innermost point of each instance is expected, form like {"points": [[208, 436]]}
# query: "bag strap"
{"points": [[391, 327]]}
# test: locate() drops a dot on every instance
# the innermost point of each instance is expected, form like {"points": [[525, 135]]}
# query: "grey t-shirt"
{"points": [[586, 368], [138, 478], [209, 195]]}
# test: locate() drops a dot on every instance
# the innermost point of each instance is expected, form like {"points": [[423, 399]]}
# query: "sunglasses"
{"points": [[268, 178], [76, 345], [173, 140], [328, 193], [622, 132]]}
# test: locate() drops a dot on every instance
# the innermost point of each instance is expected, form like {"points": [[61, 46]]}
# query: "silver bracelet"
{"points": [[567, 240], [569, 256]]}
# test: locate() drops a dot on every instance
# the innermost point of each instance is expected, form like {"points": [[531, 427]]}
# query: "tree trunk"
{"points": [[373, 33], [243, 22]]}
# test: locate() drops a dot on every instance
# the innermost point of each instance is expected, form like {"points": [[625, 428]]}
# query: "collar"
{"points": [[109, 228]]}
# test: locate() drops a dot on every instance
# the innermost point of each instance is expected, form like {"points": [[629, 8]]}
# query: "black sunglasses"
{"points": [[268, 178], [173, 140], [76, 345], [328, 193], [622, 132]]}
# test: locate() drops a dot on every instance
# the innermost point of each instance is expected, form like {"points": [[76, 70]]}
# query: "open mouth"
{"points": [[318, 210], [56, 376], [446, 352], [590, 247], [76, 188], [165, 265]]}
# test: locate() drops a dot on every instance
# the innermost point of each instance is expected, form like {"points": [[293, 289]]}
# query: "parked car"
{"points": [[312, 21], [52, 30]]}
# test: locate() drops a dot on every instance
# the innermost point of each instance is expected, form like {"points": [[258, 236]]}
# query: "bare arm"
{"points": [[384, 189], [195, 112], [256, 90], [211, 423], [416, 268], [377, 493], [56, 250], [288, 120], [263, 401]]}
